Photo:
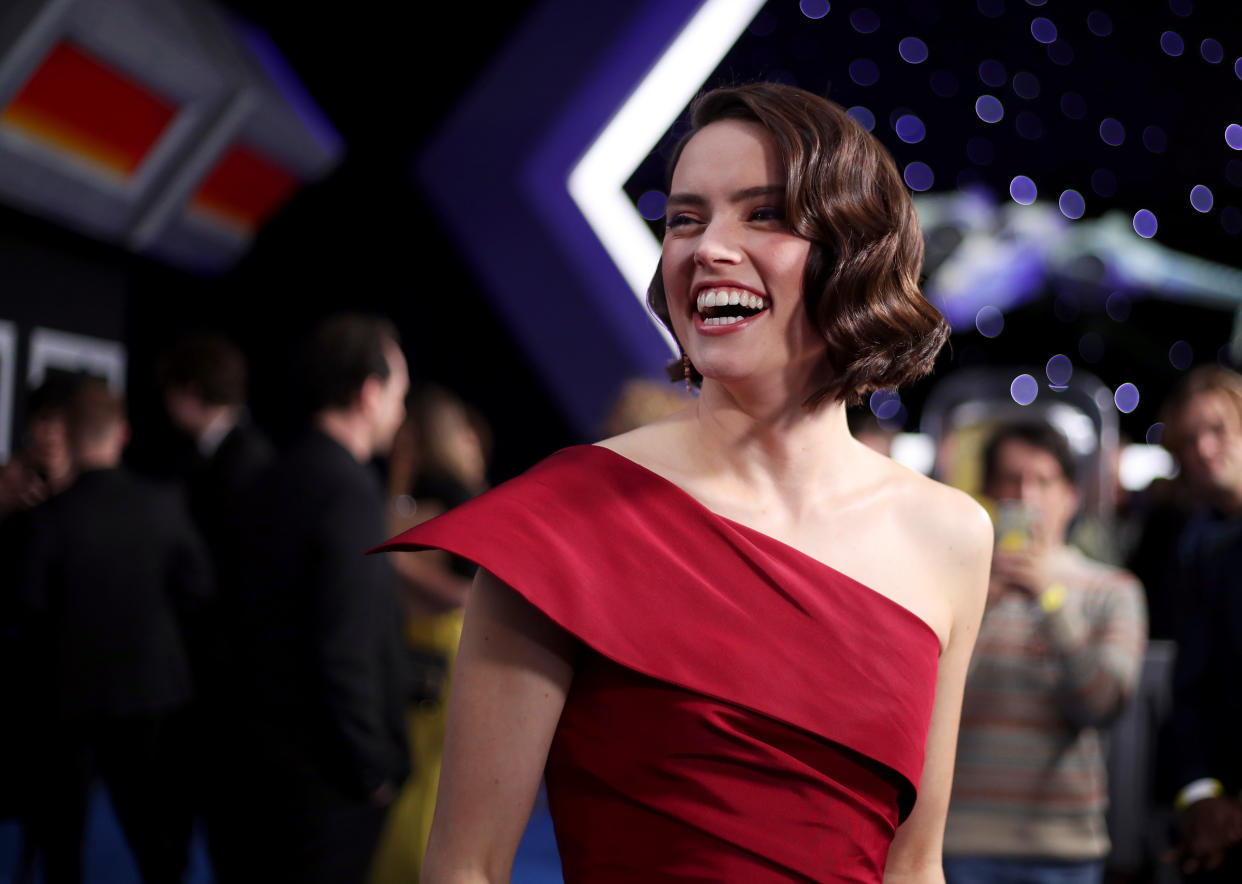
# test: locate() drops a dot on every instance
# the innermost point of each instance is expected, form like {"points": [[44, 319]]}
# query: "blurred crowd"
{"points": [[222, 654]]}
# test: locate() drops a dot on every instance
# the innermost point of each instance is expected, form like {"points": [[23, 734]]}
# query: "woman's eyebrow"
{"points": [[694, 199]]}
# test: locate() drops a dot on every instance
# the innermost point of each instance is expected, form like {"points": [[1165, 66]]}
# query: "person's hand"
{"points": [[1209, 829], [1028, 570]]}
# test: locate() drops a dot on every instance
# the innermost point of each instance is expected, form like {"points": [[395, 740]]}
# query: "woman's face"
{"points": [[732, 269]]}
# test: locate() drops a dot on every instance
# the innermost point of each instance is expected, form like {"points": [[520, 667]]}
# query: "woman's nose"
{"points": [[717, 245]]}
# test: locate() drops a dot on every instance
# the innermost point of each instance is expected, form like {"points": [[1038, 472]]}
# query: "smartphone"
{"points": [[1014, 523]]}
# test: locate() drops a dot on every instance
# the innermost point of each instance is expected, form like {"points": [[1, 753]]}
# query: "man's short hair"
{"points": [[93, 412], [341, 353], [1036, 434], [54, 394], [210, 363], [1204, 379]]}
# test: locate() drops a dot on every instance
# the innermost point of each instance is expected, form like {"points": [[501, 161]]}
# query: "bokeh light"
{"points": [[1072, 205], [1099, 23], [913, 50], [1104, 183], [980, 150], [1181, 8], [1212, 51], [1117, 306], [815, 9], [1091, 347], [989, 109], [991, 8], [1154, 139], [1112, 132], [1145, 224], [1060, 53], [885, 403], [1023, 190], [1126, 398], [1043, 30], [919, 176], [1024, 389], [1181, 355], [1237, 68], [1233, 136], [862, 116], [1073, 105], [864, 72], [1155, 433], [1201, 198], [1059, 370], [651, 205], [1026, 85], [909, 129], [1171, 43], [1029, 125], [993, 73], [864, 20], [944, 84], [989, 321]]}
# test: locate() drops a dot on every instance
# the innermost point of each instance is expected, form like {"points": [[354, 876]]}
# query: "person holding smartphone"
{"points": [[1059, 654]]}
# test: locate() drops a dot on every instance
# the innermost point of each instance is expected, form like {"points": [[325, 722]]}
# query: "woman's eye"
{"points": [[767, 213], [679, 220]]}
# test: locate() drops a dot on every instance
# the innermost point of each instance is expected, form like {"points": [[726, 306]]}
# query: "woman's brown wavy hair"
{"points": [[844, 194]]}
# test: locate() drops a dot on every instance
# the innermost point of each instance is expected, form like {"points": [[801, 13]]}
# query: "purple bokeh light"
{"points": [[989, 321], [1181, 355], [1024, 389], [1201, 198], [864, 72], [1145, 224], [989, 109], [814, 9], [1059, 370], [1172, 44], [1233, 136], [1154, 139], [1043, 30], [864, 20], [1023, 190], [993, 73], [910, 129], [1099, 23], [1060, 52], [651, 204], [913, 50], [1026, 85], [1112, 132], [1126, 398], [1212, 51], [862, 116], [1072, 205], [1073, 105], [884, 403], [1117, 306], [1155, 433], [919, 176]]}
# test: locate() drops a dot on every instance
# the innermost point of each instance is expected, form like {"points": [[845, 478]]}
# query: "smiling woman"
{"points": [[735, 638]]}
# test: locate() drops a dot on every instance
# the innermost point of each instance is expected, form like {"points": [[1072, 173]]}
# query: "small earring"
{"points": [[685, 364]]}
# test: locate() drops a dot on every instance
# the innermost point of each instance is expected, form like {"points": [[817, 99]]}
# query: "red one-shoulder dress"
{"points": [[740, 711]]}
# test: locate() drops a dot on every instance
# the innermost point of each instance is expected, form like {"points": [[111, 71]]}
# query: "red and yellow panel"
{"points": [[85, 108], [243, 189]]}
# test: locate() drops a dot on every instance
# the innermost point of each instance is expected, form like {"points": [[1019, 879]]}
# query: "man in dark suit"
{"points": [[111, 568], [319, 661], [1206, 720]]}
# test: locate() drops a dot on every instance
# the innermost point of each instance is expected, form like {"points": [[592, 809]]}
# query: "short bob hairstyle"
{"points": [[844, 195], [1215, 379]]}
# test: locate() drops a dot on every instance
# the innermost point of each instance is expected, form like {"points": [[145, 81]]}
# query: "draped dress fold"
{"points": [[739, 710]]}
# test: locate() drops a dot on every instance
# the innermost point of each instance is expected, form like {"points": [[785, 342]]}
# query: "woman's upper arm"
{"points": [[512, 674], [915, 854]]}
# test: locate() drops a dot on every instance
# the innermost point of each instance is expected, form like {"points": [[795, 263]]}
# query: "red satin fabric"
{"points": [[741, 711]]}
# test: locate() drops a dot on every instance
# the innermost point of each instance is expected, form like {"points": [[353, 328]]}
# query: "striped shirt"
{"points": [[1029, 778]]}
